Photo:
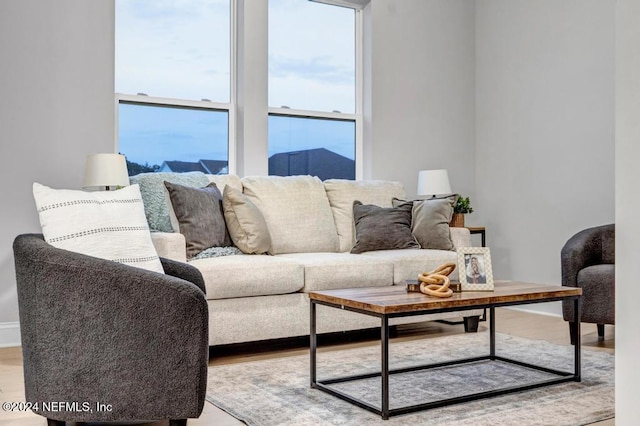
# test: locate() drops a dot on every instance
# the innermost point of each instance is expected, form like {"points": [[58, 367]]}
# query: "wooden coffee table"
{"points": [[394, 301]]}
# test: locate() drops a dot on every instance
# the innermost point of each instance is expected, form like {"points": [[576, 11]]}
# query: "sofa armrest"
{"points": [[588, 247], [142, 333], [170, 245], [460, 237]]}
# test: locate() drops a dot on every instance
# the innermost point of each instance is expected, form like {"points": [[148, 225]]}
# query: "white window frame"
{"points": [[232, 106], [229, 107], [182, 103], [359, 96]]}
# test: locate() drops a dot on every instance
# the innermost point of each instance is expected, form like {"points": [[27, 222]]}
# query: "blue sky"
{"points": [[151, 134], [180, 49]]}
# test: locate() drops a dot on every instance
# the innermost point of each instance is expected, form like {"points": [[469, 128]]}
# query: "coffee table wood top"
{"points": [[395, 299]]}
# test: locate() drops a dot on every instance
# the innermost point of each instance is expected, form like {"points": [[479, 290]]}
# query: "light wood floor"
{"points": [[508, 321]]}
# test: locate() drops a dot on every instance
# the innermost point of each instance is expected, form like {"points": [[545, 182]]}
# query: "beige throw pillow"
{"points": [[430, 221], [245, 222]]}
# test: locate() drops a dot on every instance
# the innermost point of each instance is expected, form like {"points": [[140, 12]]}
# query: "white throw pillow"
{"points": [[110, 224]]}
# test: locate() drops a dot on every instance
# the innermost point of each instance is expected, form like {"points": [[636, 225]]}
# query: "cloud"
{"points": [[313, 68]]}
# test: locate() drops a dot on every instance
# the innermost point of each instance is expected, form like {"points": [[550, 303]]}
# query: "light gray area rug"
{"points": [[277, 392]]}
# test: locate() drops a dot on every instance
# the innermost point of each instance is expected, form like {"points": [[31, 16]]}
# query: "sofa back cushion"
{"points": [[342, 193], [297, 212], [223, 180]]}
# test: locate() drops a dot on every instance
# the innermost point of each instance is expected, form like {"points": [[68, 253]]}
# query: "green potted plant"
{"points": [[462, 207]]}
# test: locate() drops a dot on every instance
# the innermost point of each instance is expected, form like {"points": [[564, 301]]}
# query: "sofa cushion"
{"points": [[245, 275], [342, 193], [199, 213], [408, 264], [380, 228], [329, 271], [223, 180], [156, 198], [245, 222], [430, 221], [297, 213], [106, 224]]}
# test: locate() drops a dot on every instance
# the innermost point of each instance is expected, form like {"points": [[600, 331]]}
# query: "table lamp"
{"points": [[433, 182], [103, 171]]}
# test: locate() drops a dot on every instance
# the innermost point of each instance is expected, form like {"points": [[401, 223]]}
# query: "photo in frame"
{"points": [[474, 269]]}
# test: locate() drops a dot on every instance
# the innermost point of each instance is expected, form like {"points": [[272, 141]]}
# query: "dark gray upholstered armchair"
{"points": [[588, 262], [100, 332]]}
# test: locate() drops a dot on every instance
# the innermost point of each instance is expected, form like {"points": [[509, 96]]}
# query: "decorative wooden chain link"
{"points": [[436, 283]]}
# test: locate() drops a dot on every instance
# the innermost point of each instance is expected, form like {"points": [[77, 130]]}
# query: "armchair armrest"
{"points": [[588, 247], [184, 271], [98, 331]]}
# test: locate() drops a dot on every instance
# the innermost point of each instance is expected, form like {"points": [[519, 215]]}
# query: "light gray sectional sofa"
{"points": [[258, 297]]}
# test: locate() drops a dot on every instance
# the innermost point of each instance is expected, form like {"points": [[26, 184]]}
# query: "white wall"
{"points": [[56, 81], [537, 75], [423, 93], [627, 207], [545, 129]]}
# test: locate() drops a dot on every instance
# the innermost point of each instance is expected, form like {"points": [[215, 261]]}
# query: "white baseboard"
{"points": [[532, 310], [9, 334]]}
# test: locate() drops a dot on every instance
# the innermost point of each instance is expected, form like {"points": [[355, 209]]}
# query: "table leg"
{"points": [[492, 332], [576, 338], [313, 343], [385, 367]]}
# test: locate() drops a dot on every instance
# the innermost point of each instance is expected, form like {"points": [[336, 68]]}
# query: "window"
{"points": [[173, 84], [314, 146], [313, 114], [311, 56], [158, 138], [176, 78]]}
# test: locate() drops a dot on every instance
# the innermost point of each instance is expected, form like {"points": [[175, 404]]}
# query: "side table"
{"points": [[479, 230]]}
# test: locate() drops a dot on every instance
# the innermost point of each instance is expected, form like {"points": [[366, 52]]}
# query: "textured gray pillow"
{"points": [[152, 187], [245, 221], [380, 228], [199, 212], [430, 221]]}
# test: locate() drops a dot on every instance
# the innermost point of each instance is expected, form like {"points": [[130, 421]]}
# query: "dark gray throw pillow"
{"points": [[199, 212], [382, 228], [430, 221]]}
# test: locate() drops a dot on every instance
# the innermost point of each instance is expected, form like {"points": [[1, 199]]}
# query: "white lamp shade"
{"points": [[433, 182], [104, 170]]}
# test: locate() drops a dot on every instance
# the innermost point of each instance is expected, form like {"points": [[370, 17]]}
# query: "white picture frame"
{"points": [[474, 269]]}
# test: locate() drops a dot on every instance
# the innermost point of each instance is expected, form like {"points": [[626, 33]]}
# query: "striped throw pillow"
{"points": [[108, 224]]}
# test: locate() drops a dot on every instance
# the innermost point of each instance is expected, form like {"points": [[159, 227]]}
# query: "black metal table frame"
{"points": [[386, 412]]}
